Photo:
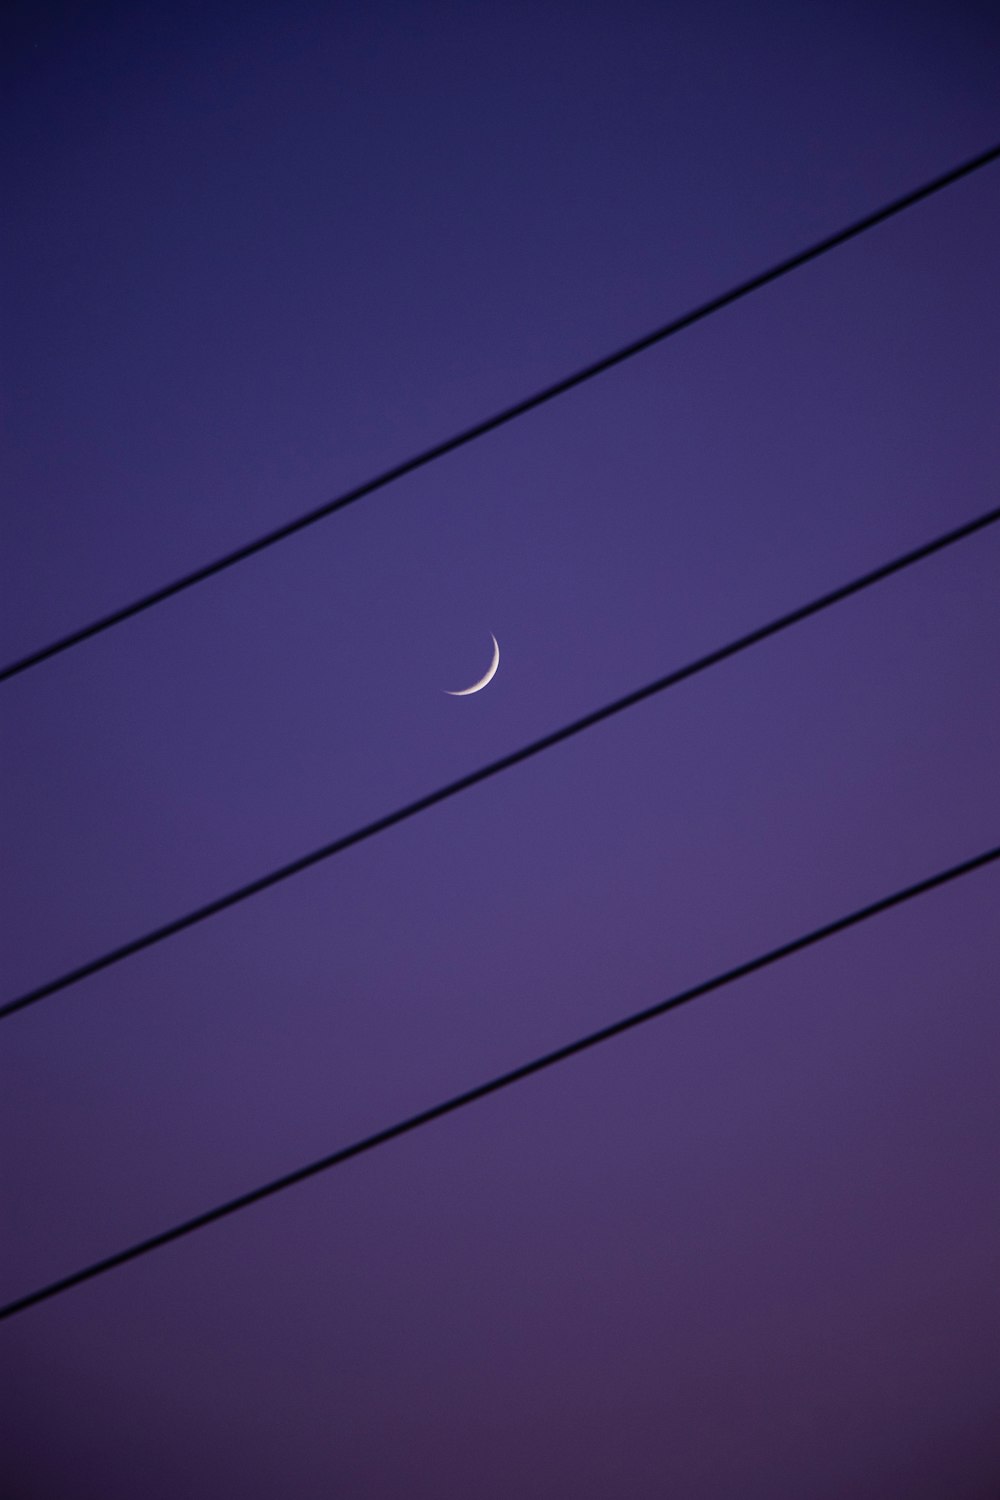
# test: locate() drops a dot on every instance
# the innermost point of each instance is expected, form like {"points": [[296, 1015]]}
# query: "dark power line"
{"points": [[498, 419], [504, 763], [494, 1085]]}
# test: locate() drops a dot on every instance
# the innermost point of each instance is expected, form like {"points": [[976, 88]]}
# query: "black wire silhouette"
{"points": [[504, 763], [494, 1085], [498, 419]]}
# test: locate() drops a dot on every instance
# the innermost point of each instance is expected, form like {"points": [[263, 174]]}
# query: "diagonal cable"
{"points": [[498, 419], [494, 1085], [504, 763]]}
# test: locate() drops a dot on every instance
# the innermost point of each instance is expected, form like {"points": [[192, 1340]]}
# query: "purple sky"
{"points": [[750, 1250]]}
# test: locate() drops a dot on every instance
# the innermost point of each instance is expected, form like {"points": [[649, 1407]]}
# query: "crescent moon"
{"points": [[478, 686]]}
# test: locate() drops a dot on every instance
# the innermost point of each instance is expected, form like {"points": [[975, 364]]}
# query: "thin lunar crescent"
{"points": [[478, 686]]}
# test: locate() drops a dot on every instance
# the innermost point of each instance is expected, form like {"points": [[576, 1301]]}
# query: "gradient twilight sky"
{"points": [[255, 253]]}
